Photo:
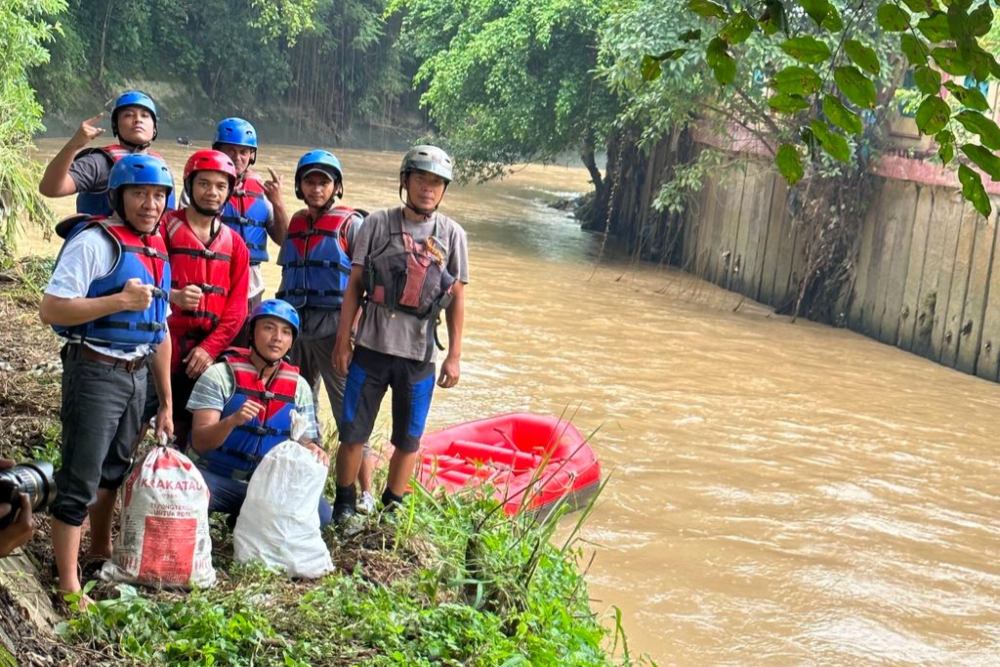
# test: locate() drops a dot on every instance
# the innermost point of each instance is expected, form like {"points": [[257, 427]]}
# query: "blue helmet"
{"points": [[319, 160], [236, 132], [279, 309], [137, 169], [132, 98]]}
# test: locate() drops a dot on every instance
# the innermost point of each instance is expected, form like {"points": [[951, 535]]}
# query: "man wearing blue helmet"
{"points": [[242, 406], [315, 264], [255, 209], [108, 297], [83, 171]]}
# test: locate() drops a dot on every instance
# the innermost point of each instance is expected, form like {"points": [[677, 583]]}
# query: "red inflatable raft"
{"points": [[533, 461]]}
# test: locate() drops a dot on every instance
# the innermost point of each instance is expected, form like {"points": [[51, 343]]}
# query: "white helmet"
{"points": [[427, 158]]}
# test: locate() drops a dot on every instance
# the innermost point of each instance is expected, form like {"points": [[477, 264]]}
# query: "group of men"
{"points": [[163, 316]]}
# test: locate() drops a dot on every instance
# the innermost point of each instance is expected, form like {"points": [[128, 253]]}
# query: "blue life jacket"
{"points": [[246, 213], [240, 453], [97, 203], [142, 256], [315, 266]]}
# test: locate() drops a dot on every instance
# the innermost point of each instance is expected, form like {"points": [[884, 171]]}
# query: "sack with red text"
{"points": [[164, 539]]}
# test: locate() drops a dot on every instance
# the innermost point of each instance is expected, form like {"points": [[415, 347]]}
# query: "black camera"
{"points": [[34, 480]]}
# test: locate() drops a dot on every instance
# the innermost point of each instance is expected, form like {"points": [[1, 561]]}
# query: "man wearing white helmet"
{"points": [[410, 264]]}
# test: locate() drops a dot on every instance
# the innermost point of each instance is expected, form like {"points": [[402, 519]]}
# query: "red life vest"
{"points": [[315, 266], [246, 214], [240, 453], [194, 263], [140, 256]]}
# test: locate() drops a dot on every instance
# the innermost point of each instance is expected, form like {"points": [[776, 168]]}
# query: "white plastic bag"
{"points": [[279, 520], [164, 539]]}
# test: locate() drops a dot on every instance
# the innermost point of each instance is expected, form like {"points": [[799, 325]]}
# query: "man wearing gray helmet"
{"points": [[410, 264]]}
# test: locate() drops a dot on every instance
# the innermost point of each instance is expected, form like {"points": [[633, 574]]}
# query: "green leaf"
{"points": [[892, 18], [921, 6], [738, 28], [973, 190], [796, 80], [951, 61], [989, 133], [914, 49], [806, 49], [841, 116], [862, 56], [932, 115], [946, 152], [817, 10], [722, 64], [833, 22], [935, 27], [971, 98], [928, 80], [707, 8], [984, 159], [789, 163], [855, 86], [650, 68], [832, 142], [980, 19], [784, 103], [690, 36]]}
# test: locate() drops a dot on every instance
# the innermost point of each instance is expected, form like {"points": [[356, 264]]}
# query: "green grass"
{"points": [[443, 581]]}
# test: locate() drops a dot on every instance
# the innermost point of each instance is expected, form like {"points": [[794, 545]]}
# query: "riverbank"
{"points": [[444, 581]]}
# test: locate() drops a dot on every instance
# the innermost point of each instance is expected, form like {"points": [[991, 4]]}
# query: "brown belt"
{"points": [[127, 365]]}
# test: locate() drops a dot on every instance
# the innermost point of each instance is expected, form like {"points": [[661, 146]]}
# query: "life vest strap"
{"points": [[134, 326], [242, 221], [204, 287], [202, 313], [266, 395], [206, 253], [312, 231], [261, 431], [301, 291], [321, 263], [146, 250]]}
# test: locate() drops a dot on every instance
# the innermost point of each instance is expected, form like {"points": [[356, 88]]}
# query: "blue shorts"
{"points": [[370, 375]]}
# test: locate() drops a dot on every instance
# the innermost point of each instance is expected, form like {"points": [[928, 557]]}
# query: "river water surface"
{"points": [[780, 494]]}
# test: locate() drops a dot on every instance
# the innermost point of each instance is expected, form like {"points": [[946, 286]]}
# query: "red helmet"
{"points": [[209, 160]]}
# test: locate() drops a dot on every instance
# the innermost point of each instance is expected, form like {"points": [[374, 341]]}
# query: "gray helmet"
{"points": [[427, 158]]}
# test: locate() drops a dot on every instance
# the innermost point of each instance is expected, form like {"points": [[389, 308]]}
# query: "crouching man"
{"points": [[242, 408], [108, 298]]}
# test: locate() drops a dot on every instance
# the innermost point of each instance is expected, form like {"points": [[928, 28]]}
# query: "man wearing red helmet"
{"points": [[209, 263]]}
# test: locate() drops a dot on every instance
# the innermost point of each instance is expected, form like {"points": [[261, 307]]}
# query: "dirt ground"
{"points": [[30, 373]]}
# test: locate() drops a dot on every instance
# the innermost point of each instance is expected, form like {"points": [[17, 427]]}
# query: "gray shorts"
{"points": [[313, 354], [101, 414]]}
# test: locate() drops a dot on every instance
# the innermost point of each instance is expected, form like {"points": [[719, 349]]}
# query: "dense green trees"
{"points": [[511, 81], [324, 62], [25, 27]]}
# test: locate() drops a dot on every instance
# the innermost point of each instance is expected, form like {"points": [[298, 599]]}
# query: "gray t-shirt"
{"points": [[90, 172], [398, 333]]}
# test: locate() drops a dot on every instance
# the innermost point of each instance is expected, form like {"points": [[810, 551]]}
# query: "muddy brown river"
{"points": [[780, 494]]}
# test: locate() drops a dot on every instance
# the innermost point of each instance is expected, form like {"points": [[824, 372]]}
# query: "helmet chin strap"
{"points": [[210, 212], [267, 364], [426, 213]]}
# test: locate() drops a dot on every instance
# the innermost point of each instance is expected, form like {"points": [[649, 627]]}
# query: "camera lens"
{"points": [[33, 480]]}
